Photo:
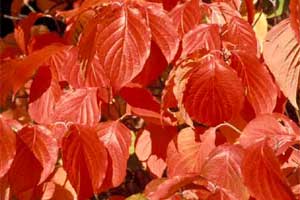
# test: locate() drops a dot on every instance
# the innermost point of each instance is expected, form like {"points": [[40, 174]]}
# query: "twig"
{"points": [[12, 17], [30, 7]]}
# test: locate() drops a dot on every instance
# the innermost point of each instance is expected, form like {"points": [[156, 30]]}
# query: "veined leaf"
{"points": [[239, 35], [225, 161], [189, 150], [37, 153], [7, 146], [116, 137], [186, 16], [121, 39], [260, 90], [80, 106], [42, 109], [295, 17], [203, 36], [162, 30], [265, 171], [84, 159], [282, 55], [279, 131], [213, 92]]}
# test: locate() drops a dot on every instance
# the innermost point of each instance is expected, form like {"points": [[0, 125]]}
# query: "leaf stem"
{"points": [[233, 127]]}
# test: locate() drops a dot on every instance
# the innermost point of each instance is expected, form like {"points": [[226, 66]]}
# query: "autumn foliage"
{"points": [[183, 96]]}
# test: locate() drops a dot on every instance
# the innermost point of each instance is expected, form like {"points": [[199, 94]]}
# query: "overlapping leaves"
{"points": [[81, 95]]}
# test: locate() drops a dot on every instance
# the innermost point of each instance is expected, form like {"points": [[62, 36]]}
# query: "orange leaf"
{"points": [[260, 165], [7, 147], [281, 53], [213, 92], [189, 150], [295, 17], [280, 132], [261, 91], [225, 161], [84, 159], [80, 106], [35, 159], [116, 137]]}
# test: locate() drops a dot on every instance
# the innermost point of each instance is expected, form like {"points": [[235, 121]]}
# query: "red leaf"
{"points": [[156, 165], [7, 147], [42, 109], [225, 161], [85, 5], [239, 35], [143, 146], [170, 186], [40, 83], [68, 69], [84, 159], [95, 77], [189, 150], [163, 31], [153, 68], [261, 92], [58, 187], [7, 70], [152, 186], [295, 17], [186, 16], [168, 99], [43, 191], [139, 97], [221, 13], [203, 36], [280, 132], [23, 69], [167, 4], [160, 136], [181, 75], [25, 172], [80, 106], [44, 39], [117, 197], [43, 146], [149, 116], [23, 30], [116, 138], [35, 160], [63, 63], [63, 188], [282, 54], [5, 190], [214, 93], [151, 147], [260, 165], [236, 4], [122, 40]]}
